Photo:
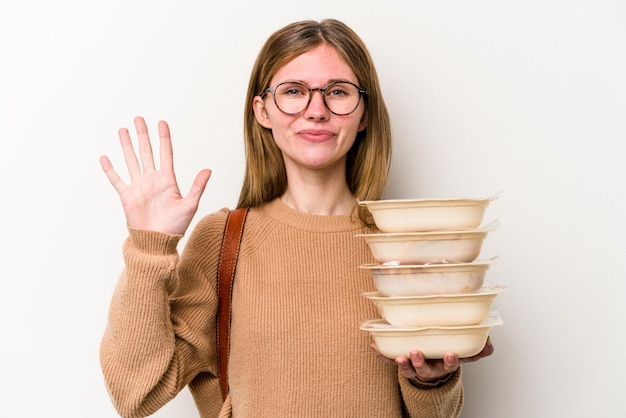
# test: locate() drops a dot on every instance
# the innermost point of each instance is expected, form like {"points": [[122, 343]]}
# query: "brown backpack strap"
{"points": [[233, 231]]}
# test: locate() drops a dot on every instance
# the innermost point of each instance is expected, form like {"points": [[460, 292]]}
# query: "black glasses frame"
{"points": [[322, 90]]}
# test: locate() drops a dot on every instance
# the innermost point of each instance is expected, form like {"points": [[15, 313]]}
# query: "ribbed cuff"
{"points": [[152, 242], [431, 384]]}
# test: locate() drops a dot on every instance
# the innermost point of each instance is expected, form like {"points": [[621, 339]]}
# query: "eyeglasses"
{"points": [[340, 97]]}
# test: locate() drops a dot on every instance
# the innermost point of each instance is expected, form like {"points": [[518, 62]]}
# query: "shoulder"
{"points": [[208, 231], [211, 222]]}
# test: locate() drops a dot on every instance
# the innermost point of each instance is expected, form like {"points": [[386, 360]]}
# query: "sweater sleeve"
{"points": [[160, 333], [445, 401]]}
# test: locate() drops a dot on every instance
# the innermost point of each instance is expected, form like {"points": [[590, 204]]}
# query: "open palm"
{"points": [[152, 199]]}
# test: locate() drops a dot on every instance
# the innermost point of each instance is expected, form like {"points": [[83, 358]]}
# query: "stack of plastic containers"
{"points": [[431, 289]]}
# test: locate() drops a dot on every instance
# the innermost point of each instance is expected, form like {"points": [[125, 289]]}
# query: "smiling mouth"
{"points": [[316, 136]]}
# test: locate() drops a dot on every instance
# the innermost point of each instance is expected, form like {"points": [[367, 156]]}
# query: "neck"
{"points": [[319, 198]]}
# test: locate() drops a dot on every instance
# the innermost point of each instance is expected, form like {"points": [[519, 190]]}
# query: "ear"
{"points": [[363, 122], [258, 105]]}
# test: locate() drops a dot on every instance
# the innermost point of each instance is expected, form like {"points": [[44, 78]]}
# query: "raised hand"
{"points": [[152, 199]]}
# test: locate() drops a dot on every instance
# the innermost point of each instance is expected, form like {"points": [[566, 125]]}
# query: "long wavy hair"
{"points": [[368, 160]]}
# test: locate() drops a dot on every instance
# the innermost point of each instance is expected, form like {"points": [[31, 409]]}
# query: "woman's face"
{"points": [[315, 139]]}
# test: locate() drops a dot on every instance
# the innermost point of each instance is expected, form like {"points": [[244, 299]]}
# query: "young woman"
{"points": [[317, 139]]}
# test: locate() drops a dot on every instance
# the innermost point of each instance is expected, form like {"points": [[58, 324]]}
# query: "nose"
{"points": [[317, 108]]}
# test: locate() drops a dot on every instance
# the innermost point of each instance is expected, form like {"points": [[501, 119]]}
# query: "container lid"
{"points": [[461, 201], [395, 265], [382, 326], [483, 291]]}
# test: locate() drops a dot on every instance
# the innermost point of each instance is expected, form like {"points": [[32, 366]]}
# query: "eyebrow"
{"points": [[332, 80]]}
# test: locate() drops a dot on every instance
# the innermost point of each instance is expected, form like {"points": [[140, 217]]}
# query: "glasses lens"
{"points": [[342, 98], [293, 97]]}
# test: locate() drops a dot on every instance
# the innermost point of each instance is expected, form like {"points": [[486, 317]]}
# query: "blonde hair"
{"points": [[368, 160]]}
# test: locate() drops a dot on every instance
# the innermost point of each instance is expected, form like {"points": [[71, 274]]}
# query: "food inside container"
{"points": [[436, 247], [433, 341], [428, 279]]}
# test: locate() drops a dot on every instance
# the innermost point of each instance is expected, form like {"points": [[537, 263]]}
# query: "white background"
{"points": [[524, 97]]}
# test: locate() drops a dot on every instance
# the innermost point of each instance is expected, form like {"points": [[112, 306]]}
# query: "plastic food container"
{"points": [[418, 215], [431, 279], [434, 342], [426, 247], [438, 310]]}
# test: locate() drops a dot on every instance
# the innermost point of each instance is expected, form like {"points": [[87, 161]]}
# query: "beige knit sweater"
{"points": [[296, 347]]}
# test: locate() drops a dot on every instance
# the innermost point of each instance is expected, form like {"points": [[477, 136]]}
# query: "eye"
{"points": [[292, 90], [341, 90], [336, 93]]}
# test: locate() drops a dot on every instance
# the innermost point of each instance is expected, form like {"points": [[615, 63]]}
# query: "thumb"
{"points": [[199, 185]]}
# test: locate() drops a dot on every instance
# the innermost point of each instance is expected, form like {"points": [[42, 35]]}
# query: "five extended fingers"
{"points": [[136, 169]]}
